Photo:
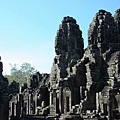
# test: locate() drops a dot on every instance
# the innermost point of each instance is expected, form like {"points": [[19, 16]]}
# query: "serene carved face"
{"points": [[57, 51]]}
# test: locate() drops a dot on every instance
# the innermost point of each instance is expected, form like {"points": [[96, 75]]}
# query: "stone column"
{"points": [[54, 100], [10, 113], [18, 109], [110, 108], [21, 104], [27, 107], [60, 101], [100, 102], [70, 100], [29, 104], [97, 102], [33, 107], [13, 109], [51, 98], [36, 104]]}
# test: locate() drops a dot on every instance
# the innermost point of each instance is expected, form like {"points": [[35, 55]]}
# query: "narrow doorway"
{"points": [[67, 104], [13, 109], [57, 105]]}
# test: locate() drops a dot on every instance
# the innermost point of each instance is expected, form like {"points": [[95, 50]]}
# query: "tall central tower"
{"points": [[69, 48]]}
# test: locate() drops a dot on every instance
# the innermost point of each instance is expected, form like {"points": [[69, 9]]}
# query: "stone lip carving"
{"points": [[83, 83]]}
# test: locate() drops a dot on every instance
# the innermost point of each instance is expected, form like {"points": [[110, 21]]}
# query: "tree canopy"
{"points": [[20, 74]]}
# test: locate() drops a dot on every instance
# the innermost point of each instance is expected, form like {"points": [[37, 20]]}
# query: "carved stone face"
{"points": [[102, 30], [117, 20], [57, 51]]}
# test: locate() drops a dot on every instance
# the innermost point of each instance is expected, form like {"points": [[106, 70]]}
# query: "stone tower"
{"points": [[117, 20], [83, 83], [69, 48], [102, 31], [4, 106]]}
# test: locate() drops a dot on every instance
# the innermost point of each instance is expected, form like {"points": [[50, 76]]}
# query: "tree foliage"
{"points": [[20, 74]]}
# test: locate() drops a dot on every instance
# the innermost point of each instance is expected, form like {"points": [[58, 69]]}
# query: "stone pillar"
{"points": [[100, 102], [97, 102], [15, 109], [27, 107], [70, 98], [20, 104], [51, 98], [36, 104], [110, 108], [54, 100], [60, 101], [29, 104], [53, 105], [33, 107], [12, 109]]}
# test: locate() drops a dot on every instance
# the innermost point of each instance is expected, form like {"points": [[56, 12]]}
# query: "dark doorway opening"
{"points": [[57, 105], [67, 104]]}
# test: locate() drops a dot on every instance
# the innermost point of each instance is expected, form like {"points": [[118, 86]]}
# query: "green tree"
{"points": [[20, 74]]}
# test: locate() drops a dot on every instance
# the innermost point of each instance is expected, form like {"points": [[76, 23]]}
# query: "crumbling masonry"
{"points": [[84, 84]]}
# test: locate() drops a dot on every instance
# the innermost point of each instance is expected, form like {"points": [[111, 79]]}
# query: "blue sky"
{"points": [[28, 28]]}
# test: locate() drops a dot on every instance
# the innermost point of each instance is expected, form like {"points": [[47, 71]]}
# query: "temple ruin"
{"points": [[84, 84]]}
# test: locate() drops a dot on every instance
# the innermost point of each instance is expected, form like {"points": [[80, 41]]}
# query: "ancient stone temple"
{"points": [[4, 98], [32, 99], [63, 84], [84, 84]]}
